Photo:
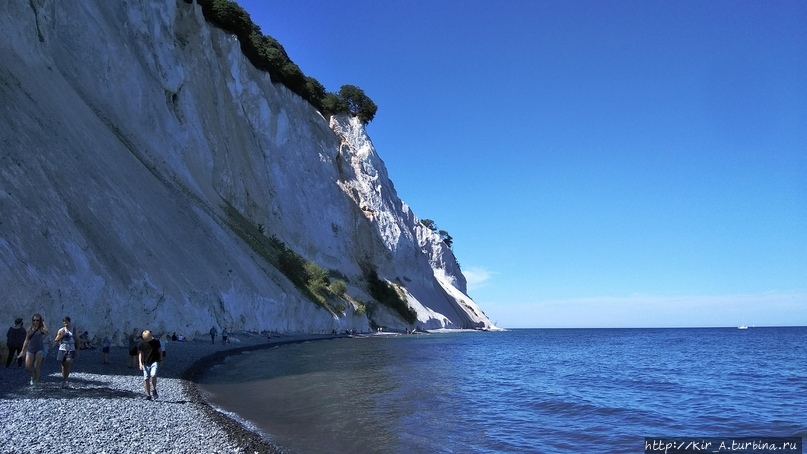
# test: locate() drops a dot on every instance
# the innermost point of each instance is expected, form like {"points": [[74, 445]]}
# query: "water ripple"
{"points": [[546, 391]]}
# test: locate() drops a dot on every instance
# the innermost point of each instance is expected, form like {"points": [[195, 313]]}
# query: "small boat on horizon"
{"points": [[742, 327]]}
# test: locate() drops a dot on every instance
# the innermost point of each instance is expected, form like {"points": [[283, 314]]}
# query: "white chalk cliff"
{"points": [[137, 145]]}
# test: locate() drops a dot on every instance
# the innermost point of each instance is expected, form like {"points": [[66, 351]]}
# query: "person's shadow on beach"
{"points": [[84, 388], [77, 389]]}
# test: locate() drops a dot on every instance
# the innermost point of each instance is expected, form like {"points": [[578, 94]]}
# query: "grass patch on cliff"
{"points": [[312, 280], [388, 295], [252, 235]]}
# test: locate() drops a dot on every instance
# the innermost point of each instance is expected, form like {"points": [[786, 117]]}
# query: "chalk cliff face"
{"points": [[138, 145]]}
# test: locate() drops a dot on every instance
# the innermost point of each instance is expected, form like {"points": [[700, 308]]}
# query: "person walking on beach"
{"points": [[164, 344], [105, 346], [224, 335], [134, 342], [213, 332], [67, 349], [150, 355], [15, 337], [33, 347], [45, 345]]}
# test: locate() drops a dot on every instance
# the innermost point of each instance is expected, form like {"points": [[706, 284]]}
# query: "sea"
{"points": [[520, 390]]}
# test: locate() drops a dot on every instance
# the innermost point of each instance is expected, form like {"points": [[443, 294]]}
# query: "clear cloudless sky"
{"points": [[598, 163]]}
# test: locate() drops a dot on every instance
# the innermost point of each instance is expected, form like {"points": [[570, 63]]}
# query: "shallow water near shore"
{"points": [[536, 390]]}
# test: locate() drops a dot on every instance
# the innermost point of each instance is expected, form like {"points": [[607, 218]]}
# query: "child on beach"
{"points": [[150, 355]]}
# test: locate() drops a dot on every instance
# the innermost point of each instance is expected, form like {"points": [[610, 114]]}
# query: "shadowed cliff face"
{"points": [[137, 147]]}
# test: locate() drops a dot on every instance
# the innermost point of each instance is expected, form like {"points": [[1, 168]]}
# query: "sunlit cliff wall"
{"points": [[134, 136]]}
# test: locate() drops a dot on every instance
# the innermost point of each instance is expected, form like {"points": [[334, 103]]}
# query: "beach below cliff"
{"points": [[105, 410]]}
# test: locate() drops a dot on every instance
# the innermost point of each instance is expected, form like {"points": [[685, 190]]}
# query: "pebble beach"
{"points": [[104, 409]]}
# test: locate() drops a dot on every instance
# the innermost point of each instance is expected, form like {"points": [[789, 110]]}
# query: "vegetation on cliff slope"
{"points": [[267, 54], [312, 280], [431, 225], [388, 295]]}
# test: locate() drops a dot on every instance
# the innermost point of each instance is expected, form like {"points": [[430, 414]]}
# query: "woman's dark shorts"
{"points": [[64, 355]]}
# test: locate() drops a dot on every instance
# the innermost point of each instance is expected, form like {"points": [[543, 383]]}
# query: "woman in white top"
{"points": [[67, 348]]}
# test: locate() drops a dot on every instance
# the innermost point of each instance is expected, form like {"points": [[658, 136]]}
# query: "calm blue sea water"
{"points": [[536, 390]]}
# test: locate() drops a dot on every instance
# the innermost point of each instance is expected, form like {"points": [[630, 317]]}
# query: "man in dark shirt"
{"points": [[150, 354], [15, 337]]}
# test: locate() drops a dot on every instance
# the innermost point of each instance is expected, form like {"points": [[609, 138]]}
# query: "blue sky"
{"points": [[598, 164]]}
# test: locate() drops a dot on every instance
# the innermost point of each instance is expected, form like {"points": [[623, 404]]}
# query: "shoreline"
{"points": [[105, 410], [244, 438]]}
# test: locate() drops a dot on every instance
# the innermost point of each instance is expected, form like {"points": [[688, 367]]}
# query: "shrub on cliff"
{"points": [[316, 278], [431, 225], [447, 239], [317, 92], [229, 16], [293, 266], [334, 104], [386, 294], [338, 287]]}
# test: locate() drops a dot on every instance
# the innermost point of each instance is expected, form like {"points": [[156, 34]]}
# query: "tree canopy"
{"points": [[359, 104], [267, 54], [429, 224]]}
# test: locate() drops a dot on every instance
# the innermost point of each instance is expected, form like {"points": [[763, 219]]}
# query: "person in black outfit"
{"points": [[150, 355], [14, 339]]}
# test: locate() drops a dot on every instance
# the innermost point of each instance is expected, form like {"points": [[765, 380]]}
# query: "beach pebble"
{"points": [[104, 409]]}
